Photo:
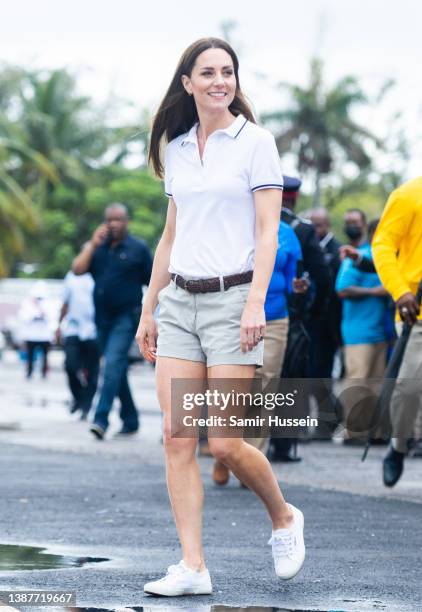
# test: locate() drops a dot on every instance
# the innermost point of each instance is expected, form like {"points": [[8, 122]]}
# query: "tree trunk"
{"points": [[316, 200]]}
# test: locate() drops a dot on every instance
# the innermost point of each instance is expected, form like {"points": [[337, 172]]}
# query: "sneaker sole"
{"points": [[179, 593], [296, 572]]}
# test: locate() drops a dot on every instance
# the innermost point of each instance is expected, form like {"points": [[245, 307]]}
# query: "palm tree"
{"points": [[63, 129], [68, 130], [60, 124], [16, 218], [17, 210], [53, 141], [318, 128]]}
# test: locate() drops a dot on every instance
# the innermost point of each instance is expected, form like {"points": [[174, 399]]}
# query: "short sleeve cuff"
{"points": [[267, 186], [265, 170]]}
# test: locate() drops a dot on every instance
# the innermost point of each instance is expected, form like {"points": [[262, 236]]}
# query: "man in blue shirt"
{"points": [[365, 307], [120, 264]]}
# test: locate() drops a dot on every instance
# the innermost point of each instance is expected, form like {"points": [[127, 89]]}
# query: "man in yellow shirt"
{"points": [[397, 253]]}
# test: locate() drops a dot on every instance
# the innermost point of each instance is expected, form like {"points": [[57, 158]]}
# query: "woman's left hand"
{"points": [[252, 326]]}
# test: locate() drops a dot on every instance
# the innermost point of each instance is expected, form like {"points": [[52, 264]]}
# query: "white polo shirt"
{"points": [[215, 222]]}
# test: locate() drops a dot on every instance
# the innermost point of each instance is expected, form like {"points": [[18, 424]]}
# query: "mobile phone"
{"points": [[105, 233]]}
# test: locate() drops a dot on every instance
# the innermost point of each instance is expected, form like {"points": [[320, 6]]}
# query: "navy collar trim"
{"points": [[233, 130], [245, 122]]}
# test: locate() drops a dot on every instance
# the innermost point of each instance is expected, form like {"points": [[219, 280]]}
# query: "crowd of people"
{"points": [[347, 313]]}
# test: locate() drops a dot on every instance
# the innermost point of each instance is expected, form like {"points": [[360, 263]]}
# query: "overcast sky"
{"points": [[129, 48]]}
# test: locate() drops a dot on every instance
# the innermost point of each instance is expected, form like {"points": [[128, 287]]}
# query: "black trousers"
{"points": [[324, 345], [82, 367], [322, 350], [31, 347]]}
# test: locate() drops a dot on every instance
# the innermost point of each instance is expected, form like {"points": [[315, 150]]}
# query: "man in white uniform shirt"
{"points": [[36, 328], [80, 340]]}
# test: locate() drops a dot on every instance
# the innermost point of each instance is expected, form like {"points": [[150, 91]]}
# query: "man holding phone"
{"points": [[120, 265]]}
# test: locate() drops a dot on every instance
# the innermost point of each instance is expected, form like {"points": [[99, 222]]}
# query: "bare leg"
{"points": [[248, 463], [183, 477]]}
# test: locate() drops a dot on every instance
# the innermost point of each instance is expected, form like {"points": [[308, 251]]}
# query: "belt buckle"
{"points": [[200, 285], [189, 286]]}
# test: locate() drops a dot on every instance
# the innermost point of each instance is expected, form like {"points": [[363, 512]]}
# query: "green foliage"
{"points": [[369, 197], [70, 220], [62, 162], [55, 180], [141, 193], [317, 127], [15, 219], [370, 200]]}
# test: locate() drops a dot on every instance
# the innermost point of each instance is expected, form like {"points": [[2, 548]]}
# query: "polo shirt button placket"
{"points": [[204, 152], [202, 167]]}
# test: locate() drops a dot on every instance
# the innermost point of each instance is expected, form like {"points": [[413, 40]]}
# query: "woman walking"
{"points": [[210, 276]]}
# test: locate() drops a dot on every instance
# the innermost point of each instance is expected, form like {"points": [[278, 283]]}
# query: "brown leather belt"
{"points": [[210, 285]]}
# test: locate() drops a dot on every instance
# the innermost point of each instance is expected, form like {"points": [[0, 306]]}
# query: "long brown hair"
{"points": [[177, 112]]}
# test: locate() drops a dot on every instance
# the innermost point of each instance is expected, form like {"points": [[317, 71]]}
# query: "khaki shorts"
{"points": [[204, 326]]}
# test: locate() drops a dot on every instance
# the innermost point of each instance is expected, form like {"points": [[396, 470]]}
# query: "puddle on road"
{"points": [[17, 557], [14, 557]]}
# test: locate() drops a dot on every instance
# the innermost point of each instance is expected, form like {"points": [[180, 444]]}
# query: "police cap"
{"points": [[291, 185]]}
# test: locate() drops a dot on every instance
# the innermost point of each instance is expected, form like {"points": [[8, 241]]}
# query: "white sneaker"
{"points": [[289, 547], [181, 580]]}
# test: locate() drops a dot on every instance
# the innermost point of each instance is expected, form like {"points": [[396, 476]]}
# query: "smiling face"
{"points": [[212, 81]]}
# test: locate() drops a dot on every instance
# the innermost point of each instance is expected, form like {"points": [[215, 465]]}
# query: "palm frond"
{"points": [[43, 165]]}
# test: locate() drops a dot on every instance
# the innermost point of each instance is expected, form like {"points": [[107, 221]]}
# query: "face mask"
{"points": [[353, 232]]}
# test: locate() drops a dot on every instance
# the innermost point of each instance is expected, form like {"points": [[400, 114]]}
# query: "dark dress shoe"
{"points": [[278, 457], [392, 467], [283, 451], [126, 432]]}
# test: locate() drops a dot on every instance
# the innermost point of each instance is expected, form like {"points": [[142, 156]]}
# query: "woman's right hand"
{"points": [[146, 337]]}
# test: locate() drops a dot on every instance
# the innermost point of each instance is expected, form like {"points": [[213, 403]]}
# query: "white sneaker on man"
{"points": [[289, 547], [181, 580]]}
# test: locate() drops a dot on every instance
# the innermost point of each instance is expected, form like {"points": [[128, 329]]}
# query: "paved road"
{"points": [[60, 489]]}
